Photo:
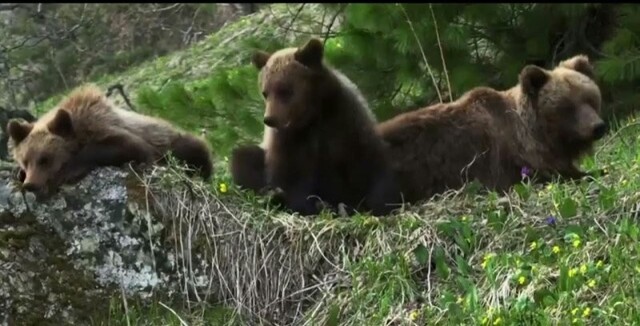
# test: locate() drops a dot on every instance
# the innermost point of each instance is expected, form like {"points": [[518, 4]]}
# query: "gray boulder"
{"points": [[121, 235], [62, 260]]}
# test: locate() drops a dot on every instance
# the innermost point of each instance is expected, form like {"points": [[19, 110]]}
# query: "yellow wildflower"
{"points": [[414, 315], [533, 245], [550, 186], [573, 272], [464, 218], [460, 300], [497, 321], [576, 243], [586, 312], [521, 280], [485, 320], [592, 283], [583, 269], [556, 249], [575, 320], [223, 187], [486, 260], [574, 311], [599, 263]]}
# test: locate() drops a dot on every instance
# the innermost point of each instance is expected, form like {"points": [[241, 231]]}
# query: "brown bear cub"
{"points": [[86, 131], [545, 123], [320, 143]]}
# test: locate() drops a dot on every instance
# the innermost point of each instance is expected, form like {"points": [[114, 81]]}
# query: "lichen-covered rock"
{"points": [[62, 260], [158, 236]]}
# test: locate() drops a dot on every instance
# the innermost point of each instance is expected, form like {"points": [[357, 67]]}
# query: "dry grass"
{"points": [[280, 268]]}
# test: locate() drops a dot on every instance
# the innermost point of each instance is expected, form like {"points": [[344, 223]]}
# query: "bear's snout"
{"points": [[599, 130]]}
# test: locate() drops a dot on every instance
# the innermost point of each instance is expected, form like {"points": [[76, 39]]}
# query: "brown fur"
{"points": [[545, 123], [320, 139], [86, 131]]}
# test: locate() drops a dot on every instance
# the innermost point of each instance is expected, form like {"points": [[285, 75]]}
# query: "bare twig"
{"points": [[295, 17], [333, 20], [167, 8], [126, 306], [120, 88], [182, 322], [444, 64], [57, 67], [424, 56]]}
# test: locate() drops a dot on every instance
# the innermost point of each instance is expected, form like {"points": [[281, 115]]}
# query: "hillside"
{"points": [[566, 253]]}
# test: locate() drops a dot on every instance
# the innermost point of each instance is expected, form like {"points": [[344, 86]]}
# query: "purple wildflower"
{"points": [[551, 220], [525, 172]]}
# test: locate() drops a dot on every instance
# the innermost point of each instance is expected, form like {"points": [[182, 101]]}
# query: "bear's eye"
{"points": [[284, 93], [264, 94], [44, 160]]}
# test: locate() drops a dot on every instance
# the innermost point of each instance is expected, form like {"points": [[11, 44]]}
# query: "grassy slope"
{"points": [[565, 253]]}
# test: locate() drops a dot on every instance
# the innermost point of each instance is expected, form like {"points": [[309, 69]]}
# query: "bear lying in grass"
{"points": [[545, 123], [85, 130], [319, 143]]}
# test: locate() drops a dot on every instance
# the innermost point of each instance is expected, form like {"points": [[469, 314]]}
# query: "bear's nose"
{"points": [[270, 122], [599, 130]]}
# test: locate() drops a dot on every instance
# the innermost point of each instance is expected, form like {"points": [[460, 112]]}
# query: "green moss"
{"points": [[53, 275]]}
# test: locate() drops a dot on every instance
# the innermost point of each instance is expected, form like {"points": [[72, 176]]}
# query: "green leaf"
{"points": [[522, 190], [422, 254], [568, 208], [334, 316], [545, 296], [441, 265], [606, 198]]}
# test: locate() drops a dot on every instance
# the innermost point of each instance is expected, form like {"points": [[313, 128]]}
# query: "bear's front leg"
{"points": [[572, 173], [300, 197], [384, 193], [116, 149], [247, 167]]}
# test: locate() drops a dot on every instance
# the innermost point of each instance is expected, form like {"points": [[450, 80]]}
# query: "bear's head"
{"points": [[42, 148], [293, 84], [565, 102]]}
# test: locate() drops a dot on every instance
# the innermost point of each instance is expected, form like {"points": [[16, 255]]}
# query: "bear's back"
{"points": [[446, 144]]}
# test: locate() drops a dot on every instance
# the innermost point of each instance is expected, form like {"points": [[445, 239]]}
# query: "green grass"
{"points": [[468, 258], [565, 253]]}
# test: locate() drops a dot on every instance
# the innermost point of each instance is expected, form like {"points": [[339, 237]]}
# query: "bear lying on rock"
{"points": [[85, 130]]}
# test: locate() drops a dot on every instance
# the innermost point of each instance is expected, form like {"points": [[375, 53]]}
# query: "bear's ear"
{"points": [[311, 53], [260, 58], [61, 124], [579, 63], [18, 131], [532, 78]]}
